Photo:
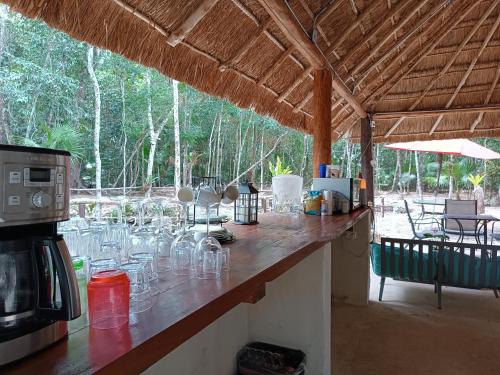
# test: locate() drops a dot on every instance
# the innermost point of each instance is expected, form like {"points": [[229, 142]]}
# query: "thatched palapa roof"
{"points": [[424, 68]]}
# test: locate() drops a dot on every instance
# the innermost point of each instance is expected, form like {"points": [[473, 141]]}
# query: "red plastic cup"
{"points": [[108, 299]]}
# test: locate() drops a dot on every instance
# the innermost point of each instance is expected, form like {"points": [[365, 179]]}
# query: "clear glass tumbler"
{"points": [[140, 290]]}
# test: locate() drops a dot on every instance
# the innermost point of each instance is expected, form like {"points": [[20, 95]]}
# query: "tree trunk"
{"points": [[177, 137], [350, 149], [440, 167], [217, 144], [396, 182], [251, 173], [240, 150], [124, 145], [303, 164], [418, 169], [262, 160], [450, 178], [97, 125]]}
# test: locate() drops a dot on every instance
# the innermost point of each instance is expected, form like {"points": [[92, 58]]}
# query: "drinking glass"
{"points": [[165, 240], [102, 265], [140, 291], [150, 266], [89, 242], [71, 237], [109, 250], [208, 258], [226, 259], [143, 240], [119, 233], [183, 249]]}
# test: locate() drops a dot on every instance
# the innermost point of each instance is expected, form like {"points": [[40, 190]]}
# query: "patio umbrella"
{"points": [[459, 147]]}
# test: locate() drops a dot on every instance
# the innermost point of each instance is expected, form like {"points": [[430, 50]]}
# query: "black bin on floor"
{"points": [[258, 358]]}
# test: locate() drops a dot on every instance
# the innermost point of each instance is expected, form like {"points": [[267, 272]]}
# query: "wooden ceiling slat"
{"points": [[480, 116], [433, 13], [288, 25], [446, 67], [345, 34], [304, 101], [321, 32], [247, 45], [467, 73], [294, 84], [190, 23], [374, 49], [413, 62], [401, 5]]}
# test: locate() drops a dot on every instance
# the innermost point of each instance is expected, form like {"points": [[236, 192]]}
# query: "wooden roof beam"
{"points": [[189, 23], [399, 6], [345, 34], [311, 16], [431, 84], [373, 51], [399, 42], [480, 116], [247, 45], [467, 73], [436, 112], [411, 63], [293, 31]]}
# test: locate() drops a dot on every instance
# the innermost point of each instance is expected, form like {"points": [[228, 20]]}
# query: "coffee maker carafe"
{"points": [[38, 287]]}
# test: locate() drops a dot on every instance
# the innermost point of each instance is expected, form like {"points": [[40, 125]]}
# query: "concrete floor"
{"points": [[407, 334]]}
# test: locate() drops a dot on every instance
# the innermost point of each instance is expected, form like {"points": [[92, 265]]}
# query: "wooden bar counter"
{"points": [[275, 290]]}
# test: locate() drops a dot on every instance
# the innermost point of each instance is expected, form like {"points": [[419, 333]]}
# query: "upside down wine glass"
{"points": [[183, 248], [208, 258]]}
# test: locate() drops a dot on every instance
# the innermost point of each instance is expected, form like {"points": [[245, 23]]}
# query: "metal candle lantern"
{"points": [[247, 204]]}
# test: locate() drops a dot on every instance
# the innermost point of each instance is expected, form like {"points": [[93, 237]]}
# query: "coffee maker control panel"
{"points": [[34, 185]]}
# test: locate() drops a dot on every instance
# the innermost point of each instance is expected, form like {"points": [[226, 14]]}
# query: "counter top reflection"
{"points": [[186, 305]]}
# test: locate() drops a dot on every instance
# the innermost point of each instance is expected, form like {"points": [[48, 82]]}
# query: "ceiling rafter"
{"points": [[446, 67], [413, 62], [404, 52], [467, 73], [401, 5], [441, 91], [345, 34], [190, 22], [293, 31], [294, 84], [436, 112], [284, 55], [431, 14], [304, 101], [321, 32], [247, 45], [424, 73], [480, 116], [470, 47], [374, 49]]}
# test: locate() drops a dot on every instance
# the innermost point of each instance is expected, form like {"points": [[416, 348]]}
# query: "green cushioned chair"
{"points": [[486, 277], [418, 261]]}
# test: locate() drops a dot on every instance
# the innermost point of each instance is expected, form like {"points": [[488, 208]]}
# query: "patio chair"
{"points": [[426, 233], [461, 207]]}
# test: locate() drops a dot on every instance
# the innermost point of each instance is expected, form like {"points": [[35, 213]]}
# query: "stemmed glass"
{"points": [[208, 254], [183, 248]]}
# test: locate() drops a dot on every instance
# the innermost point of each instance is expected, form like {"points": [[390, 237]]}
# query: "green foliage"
{"points": [[278, 168], [61, 137], [475, 180]]}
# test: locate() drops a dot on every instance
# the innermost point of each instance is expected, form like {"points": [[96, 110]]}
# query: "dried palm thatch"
{"points": [[389, 57]]}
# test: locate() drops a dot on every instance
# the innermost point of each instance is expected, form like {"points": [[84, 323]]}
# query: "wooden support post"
{"points": [[322, 134], [367, 156]]}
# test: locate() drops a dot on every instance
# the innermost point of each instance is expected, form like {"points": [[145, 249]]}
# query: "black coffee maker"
{"points": [[38, 287]]}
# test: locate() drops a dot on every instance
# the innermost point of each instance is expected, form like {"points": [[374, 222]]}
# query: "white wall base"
{"points": [[296, 312], [351, 264]]}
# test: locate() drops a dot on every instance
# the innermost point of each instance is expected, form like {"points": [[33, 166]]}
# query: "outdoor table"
{"points": [[477, 218], [429, 202]]}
